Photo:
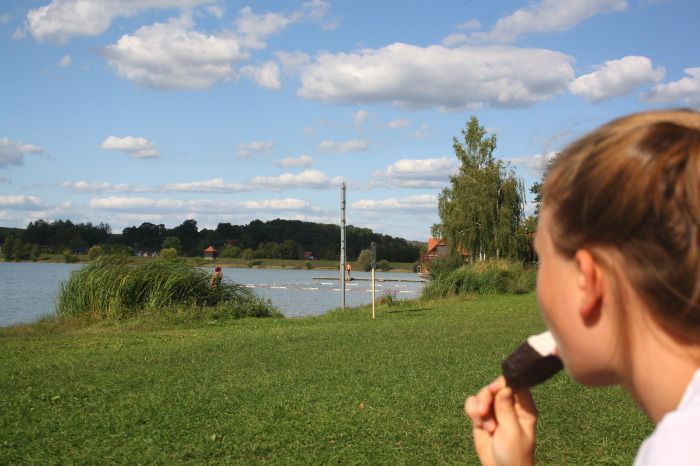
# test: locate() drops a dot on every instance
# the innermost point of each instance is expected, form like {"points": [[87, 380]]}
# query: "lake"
{"points": [[29, 290]]}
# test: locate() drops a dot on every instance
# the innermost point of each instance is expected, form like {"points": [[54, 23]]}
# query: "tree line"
{"points": [[275, 239]]}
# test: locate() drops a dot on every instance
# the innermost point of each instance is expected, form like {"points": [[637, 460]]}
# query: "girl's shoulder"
{"points": [[675, 439]]}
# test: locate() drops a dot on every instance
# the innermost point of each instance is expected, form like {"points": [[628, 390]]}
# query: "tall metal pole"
{"points": [[342, 242]]}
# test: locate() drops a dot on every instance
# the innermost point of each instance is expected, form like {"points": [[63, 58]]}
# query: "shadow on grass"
{"points": [[401, 308]]}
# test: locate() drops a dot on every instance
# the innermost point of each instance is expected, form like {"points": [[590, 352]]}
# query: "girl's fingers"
{"points": [[485, 396], [504, 407]]}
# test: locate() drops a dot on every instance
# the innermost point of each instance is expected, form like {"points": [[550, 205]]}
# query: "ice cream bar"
{"points": [[533, 362]]}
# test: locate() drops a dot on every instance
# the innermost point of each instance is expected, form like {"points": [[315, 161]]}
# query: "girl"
{"points": [[618, 285]]}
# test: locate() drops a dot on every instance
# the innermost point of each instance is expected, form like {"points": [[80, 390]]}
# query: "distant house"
{"points": [[437, 247], [210, 253], [308, 256]]}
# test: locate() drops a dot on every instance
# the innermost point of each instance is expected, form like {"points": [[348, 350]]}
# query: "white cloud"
{"points": [[467, 77], [21, 202], [469, 24], [685, 91], [318, 11], [278, 205], [293, 62], [308, 179], [454, 39], [313, 179], [19, 34], [198, 206], [421, 132], [616, 78], [246, 150], [134, 146], [398, 123], [308, 131], [214, 185], [134, 203], [254, 29], [173, 55], [13, 152], [423, 168], [63, 210], [266, 75], [94, 187], [358, 119], [61, 20], [547, 16], [534, 164], [411, 203], [65, 61], [418, 173], [216, 11], [353, 145], [299, 162]]}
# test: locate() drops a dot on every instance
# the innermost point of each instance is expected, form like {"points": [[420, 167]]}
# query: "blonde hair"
{"points": [[633, 186]]}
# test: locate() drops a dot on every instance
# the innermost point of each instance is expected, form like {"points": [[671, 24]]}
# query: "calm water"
{"points": [[28, 290]]}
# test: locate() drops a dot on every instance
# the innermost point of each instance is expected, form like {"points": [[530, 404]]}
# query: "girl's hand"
{"points": [[504, 422]]}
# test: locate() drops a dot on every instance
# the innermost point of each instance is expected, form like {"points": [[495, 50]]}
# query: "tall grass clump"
{"points": [[486, 277], [109, 288]]}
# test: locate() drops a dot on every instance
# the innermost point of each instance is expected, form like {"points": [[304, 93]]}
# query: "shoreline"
{"points": [[280, 264]]}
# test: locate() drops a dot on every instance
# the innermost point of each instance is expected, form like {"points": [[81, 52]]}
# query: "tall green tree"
{"points": [[483, 208]]}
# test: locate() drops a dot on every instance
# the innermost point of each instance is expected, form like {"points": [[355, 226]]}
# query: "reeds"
{"points": [[487, 277], [109, 288]]}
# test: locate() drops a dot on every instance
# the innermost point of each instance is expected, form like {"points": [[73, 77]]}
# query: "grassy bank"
{"points": [[339, 388], [110, 288], [482, 278]]}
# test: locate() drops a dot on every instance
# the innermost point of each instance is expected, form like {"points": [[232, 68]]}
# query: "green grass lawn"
{"points": [[339, 388]]}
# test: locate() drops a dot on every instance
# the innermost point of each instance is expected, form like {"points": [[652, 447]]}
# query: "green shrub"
{"points": [[445, 264], [487, 277], [119, 250], [109, 288], [364, 260], [309, 265], [95, 252], [384, 265], [168, 253], [69, 257], [231, 252], [34, 253]]}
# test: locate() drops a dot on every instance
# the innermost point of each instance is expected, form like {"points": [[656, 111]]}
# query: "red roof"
{"points": [[210, 249], [433, 243]]}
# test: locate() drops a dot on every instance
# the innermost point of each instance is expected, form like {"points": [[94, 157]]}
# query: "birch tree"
{"points": [[482, 208]]}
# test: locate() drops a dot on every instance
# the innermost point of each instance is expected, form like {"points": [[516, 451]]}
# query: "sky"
{"points": [[124, 111]]}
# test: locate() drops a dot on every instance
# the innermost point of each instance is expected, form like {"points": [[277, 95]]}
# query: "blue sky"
{"points": [[125, 111]]}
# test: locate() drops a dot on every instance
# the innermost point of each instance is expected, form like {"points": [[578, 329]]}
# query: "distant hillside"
{"points": [[5, 231]]}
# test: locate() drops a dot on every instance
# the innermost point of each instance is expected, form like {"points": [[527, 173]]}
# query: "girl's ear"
{"points": [[590, 283]]}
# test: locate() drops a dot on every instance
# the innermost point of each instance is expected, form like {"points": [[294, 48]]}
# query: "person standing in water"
{"points": [[216, 277]]}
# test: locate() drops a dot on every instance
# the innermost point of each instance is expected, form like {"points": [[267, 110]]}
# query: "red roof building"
{"points": [[437, 247], [210, 253]]}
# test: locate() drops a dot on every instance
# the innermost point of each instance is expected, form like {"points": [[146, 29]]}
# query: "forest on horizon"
{"points": [[274, 239]]}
